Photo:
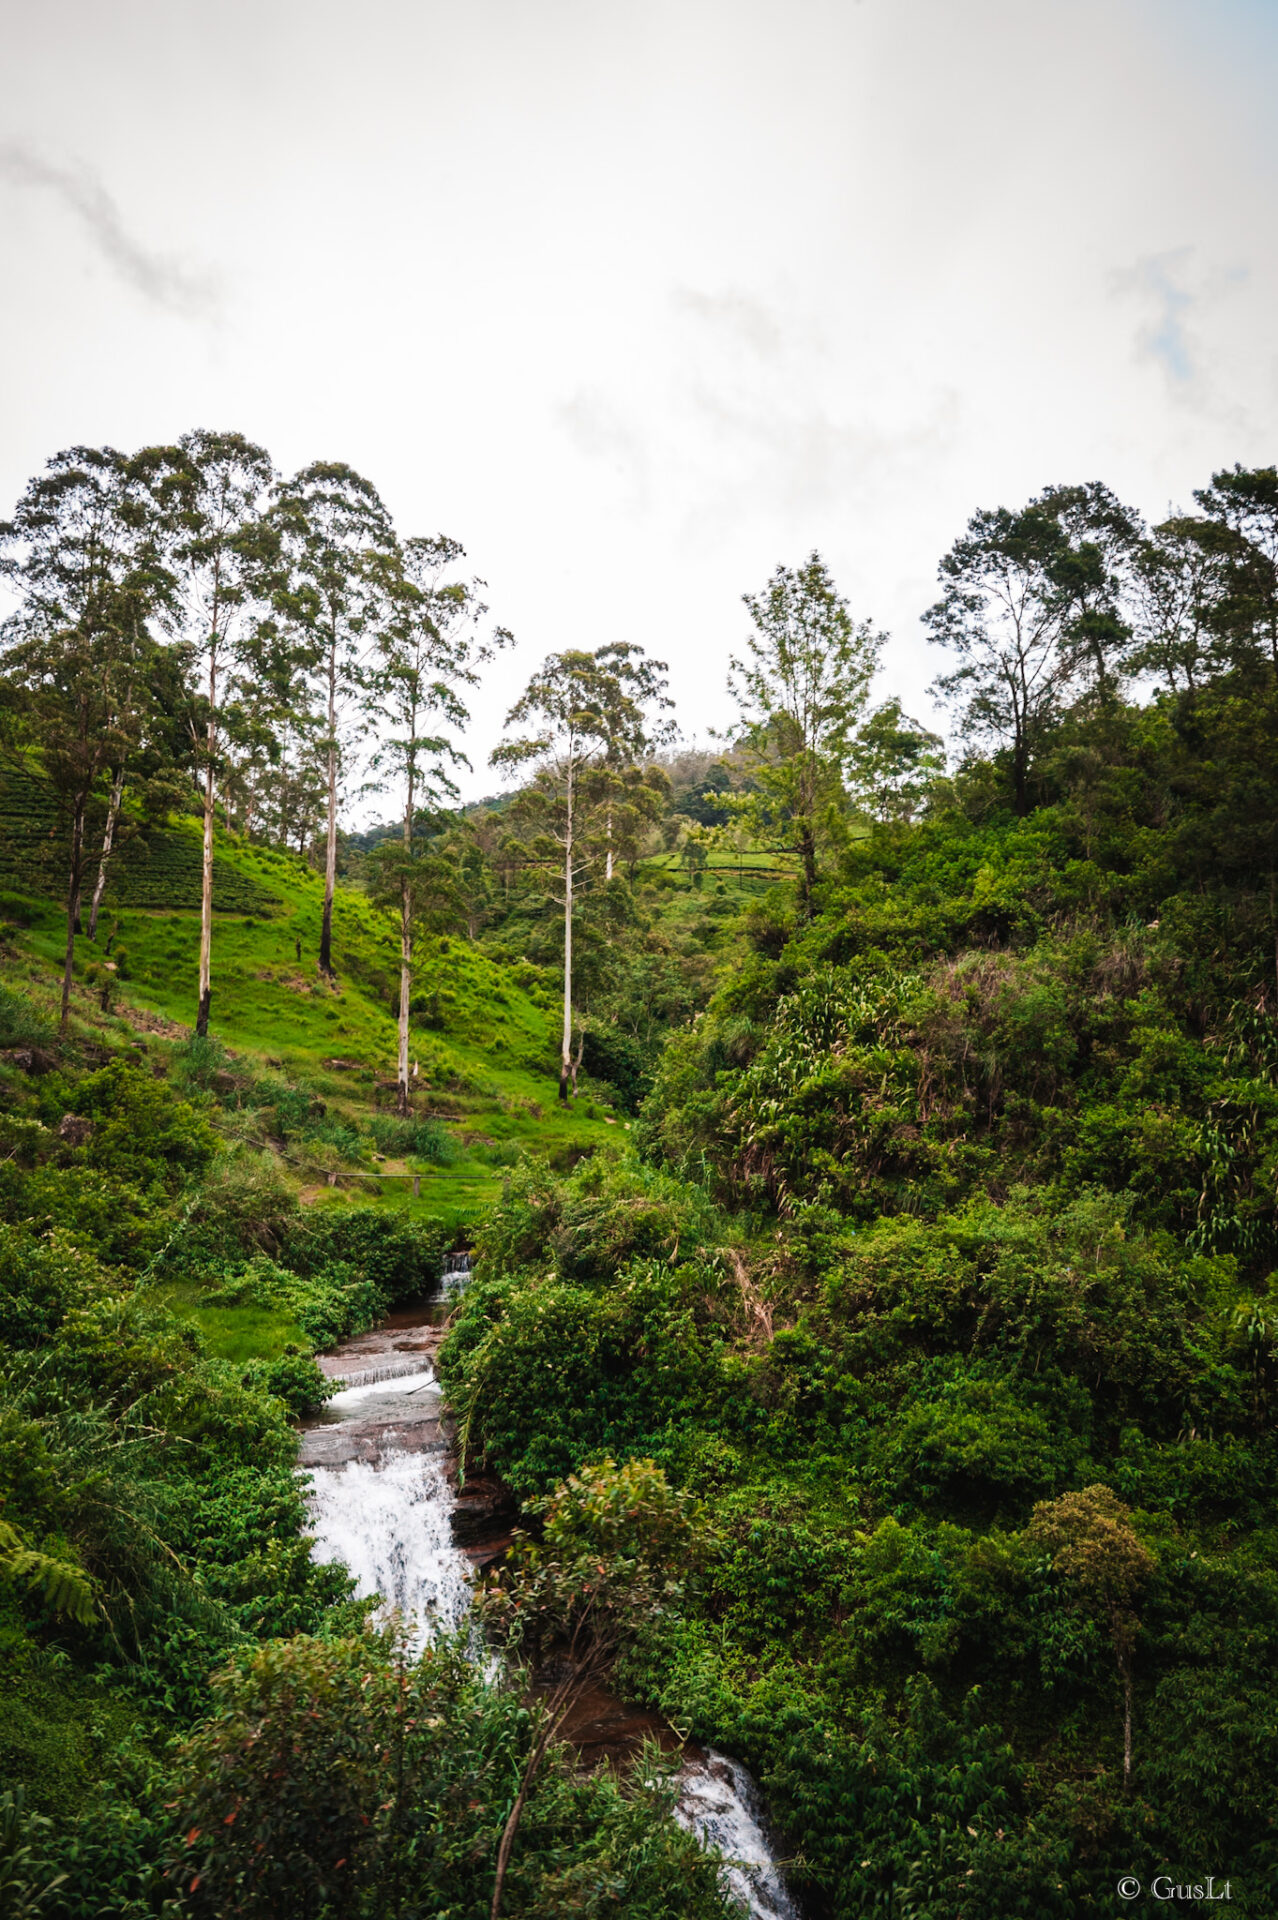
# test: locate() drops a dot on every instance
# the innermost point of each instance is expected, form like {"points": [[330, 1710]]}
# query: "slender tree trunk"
{"points": [[73, 904], [108, 840], [405, 950], [206, 904], [807, 854], [330, 851], [608, 863], [206, 877], [558, 1715], [565, 1057]]}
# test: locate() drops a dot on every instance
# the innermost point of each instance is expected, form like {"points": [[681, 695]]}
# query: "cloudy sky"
{"points": [[639, 297]]}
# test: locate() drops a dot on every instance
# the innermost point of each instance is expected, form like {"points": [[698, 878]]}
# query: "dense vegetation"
{"points": [[893, 1406]]}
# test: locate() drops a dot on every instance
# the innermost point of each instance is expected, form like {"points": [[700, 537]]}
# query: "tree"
{"points": [[801, 694], [1032, 604], [1241, 509], [1100, 540], [893, 762], [625, 795], [427, 650], [153, 729], [211, 489], [338, 542], [80, 554], [588, 713], [1178, 588], [1104, 1562]]}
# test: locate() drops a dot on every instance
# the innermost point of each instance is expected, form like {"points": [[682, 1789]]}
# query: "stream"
{"points": [[382, 1502]]}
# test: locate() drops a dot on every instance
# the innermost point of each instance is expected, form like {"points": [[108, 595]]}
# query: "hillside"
{"points": [[882, 1358], [483, 1038]]}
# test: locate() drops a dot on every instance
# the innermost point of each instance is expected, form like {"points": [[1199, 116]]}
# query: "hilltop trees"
{"points": [[1034, 604], [801, 694], [587, 715], [81, 553]]}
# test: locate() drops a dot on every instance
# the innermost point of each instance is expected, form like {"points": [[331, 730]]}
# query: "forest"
{"points": [[867, 1144]]}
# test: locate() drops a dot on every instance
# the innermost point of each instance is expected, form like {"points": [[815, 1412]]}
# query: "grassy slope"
{"points": [[486, 1065]]}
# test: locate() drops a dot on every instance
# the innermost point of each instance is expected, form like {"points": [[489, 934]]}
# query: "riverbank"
{"points": [[385, 1503]]}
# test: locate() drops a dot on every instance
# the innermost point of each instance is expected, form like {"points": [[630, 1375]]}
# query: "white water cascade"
{"points": [[719, 1802], [389, 1524], [381, 1504]]}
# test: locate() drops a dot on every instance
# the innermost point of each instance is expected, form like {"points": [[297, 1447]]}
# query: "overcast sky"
{"points": [[638, 298]]}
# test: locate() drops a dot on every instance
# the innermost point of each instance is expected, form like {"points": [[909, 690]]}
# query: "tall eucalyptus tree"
{"points": [[801, 692], [338, 549], [211, 491], [428, 650], [578, 709]]}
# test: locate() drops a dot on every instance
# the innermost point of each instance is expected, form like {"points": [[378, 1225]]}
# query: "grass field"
{"points": [[484, 1045]]}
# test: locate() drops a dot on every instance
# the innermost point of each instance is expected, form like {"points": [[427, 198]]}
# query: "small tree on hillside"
{"points": [[588, 714], [337, 542], [1241, 510], [1179, 587], [210, 490], [629, 796], [80, 555], [1097, 1552], [153, 754], [801, 693], [427, 650]]}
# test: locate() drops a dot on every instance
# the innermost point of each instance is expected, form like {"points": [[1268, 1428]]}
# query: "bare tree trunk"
{"points": [[405, 949], [108, 840], [73, 905], [330, 851], [565, 1057], [807, 853], [608, 863], [206, 903], [561, 1704]]}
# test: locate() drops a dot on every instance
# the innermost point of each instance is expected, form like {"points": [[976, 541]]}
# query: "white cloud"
{"points": [[638, 301]]}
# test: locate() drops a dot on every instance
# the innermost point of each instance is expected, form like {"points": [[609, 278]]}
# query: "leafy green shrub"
{"points": [[402, 1258], [336, 1774], [330, 1302], [294, 1378]]}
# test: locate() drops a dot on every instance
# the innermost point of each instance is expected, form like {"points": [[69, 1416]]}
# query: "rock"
{"points": [[28, 1059], [74, 1129], [223, 1082]]}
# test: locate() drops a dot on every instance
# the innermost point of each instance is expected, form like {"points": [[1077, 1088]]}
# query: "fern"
{"points": [[62, 1585]]}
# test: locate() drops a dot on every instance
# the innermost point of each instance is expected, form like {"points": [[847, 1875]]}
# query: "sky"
{"points": [[640, 298]]}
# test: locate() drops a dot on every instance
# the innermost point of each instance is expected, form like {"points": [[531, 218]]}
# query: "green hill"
{"points": [[484, 1040]]}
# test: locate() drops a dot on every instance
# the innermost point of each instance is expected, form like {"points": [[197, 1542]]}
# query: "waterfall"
{"points": [[388, 1519], [389, 1525], [719, 1802], [455, 1273], [370, 1376]]}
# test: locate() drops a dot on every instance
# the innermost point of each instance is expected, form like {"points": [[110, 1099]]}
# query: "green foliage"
{"points": [[338, 1777], [295, 1379]]}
